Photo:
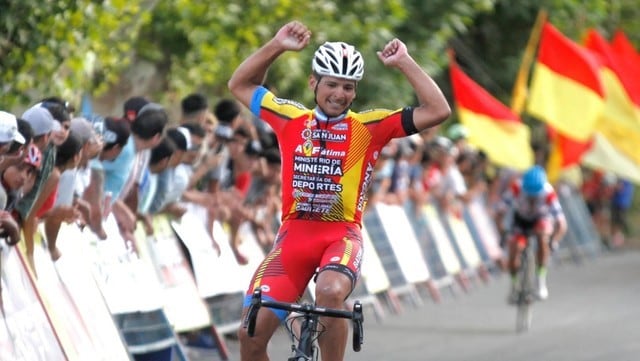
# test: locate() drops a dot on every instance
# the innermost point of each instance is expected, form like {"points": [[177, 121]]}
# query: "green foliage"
{"points": [[68, 47], [64, 47], [200, 44]]}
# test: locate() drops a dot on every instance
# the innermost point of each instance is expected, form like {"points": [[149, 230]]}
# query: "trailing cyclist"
{"points": [[535, 207]]}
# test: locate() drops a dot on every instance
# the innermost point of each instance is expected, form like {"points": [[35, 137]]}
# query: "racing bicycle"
{"points": [[310, 329]]}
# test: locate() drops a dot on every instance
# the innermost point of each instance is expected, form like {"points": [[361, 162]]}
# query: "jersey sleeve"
{"points": [[273, 110], [388, 124], [553, 202]]}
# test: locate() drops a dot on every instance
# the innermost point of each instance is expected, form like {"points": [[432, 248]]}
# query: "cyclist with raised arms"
{"points": [[536, 208], [328, 155]]}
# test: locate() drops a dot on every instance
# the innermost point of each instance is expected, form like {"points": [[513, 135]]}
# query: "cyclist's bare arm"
{"points": [[433, 108], [251, 73], [560, 229]]}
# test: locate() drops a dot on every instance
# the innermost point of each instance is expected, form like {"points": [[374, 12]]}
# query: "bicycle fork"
{"points": [[305, 351]]}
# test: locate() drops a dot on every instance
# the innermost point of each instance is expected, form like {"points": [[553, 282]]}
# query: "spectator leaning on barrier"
{"points": [[472, 168], [123, 174], [621, 201], [158, 163], [17, 149], [171, 184], [44, 203], [243, 158], [132, 106], [61, 112], [195, 110], [114, 133], [12, 182], [43, 125], [315, 229], [458, 134], [91, 147], [597, 190], [382, 175], [418, 189], [440, 150], [230, 119], [401, 177], [73, 179], [195, 164], [452, 191], [68, 156], [9, 135], [198, 137], [263, 198], [14, 173], [200, 157]]}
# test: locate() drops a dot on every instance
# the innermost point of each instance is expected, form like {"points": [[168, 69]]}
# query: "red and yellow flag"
{"points": [[492, 126], [564, 153], [566, 90], [619, 122], [629, 60]]}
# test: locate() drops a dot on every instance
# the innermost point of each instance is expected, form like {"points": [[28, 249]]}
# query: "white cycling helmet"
{"points": [[339, 60]]}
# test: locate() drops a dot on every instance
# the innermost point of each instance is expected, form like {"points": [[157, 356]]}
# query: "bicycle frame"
{"points": [[305, 349]]}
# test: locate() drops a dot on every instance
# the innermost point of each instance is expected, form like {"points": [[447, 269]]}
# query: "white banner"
{"points": [[215, 274], [183, 305], [403, 242], [73, 301], [127, 283], [443, 243], [25, 330], [465, 241], [486, 229], [373, 274], [250, 248]]}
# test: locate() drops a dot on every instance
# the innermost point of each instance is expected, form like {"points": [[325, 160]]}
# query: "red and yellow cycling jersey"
{"points": [[327, 164]]}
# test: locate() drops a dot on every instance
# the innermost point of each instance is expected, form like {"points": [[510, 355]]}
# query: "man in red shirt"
{"points": [[328, 155]]}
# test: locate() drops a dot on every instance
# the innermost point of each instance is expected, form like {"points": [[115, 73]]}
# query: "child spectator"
{"points": [[67, 157]]}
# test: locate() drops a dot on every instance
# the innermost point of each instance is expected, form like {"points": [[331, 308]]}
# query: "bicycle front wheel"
{"points": [[524, 315]]}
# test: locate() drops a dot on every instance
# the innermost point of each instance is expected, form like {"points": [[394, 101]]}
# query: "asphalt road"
{"points": [[592, 314]]}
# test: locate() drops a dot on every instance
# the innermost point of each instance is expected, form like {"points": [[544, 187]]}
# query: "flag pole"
{"points": [[520, 89]]}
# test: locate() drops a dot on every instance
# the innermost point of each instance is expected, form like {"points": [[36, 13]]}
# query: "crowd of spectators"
{"points": [[59, 166], [608, 199]]}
